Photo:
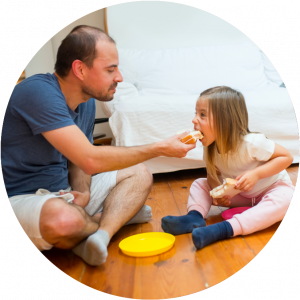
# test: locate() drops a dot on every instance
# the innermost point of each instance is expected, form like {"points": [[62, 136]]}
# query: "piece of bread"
{"points": [[191, 137], [225, 189]]}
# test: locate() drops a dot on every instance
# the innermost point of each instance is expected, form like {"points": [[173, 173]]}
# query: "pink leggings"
{"points": [[268, 208]]}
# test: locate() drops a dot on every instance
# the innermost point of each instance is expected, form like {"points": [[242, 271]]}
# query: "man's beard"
{"points": [[101, 96]]}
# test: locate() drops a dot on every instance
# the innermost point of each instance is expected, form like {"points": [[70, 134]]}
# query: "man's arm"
{"points": [[73, 144], [80, 184]]}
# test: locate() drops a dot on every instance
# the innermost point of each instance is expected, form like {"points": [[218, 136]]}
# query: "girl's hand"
{"points": [[246, 181], [224, 201]]}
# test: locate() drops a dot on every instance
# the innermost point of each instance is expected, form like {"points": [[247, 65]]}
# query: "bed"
{"points": [[164, 73]]}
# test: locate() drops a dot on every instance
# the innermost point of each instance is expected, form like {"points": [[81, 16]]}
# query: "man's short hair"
{"points": [[80, 44]]}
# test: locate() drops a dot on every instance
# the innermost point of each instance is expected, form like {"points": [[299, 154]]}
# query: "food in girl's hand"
{"points": [[191, 137], [225, 189]]}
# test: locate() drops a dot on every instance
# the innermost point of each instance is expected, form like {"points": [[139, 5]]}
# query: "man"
{"points": [[47, 143]]}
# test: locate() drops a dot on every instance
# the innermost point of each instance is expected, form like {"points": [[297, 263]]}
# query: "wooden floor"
{"points": [[180, 271]]}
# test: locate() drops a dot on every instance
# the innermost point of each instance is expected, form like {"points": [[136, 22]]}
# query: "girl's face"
{"points": [[204, 123]]}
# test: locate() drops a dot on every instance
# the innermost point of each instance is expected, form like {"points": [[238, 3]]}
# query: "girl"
{"points": [[232, 151]]}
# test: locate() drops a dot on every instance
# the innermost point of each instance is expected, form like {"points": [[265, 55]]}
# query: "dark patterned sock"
{"points": [[212, 233], [182, 224]]}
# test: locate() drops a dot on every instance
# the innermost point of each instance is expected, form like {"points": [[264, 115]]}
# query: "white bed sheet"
{"points": [[144, 118]]}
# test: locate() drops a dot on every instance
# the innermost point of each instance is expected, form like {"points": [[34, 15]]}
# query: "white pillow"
{"points": [[192, 70], [270, 71], [124, 89]]}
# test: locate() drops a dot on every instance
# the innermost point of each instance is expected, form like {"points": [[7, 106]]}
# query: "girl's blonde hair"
{"points": [[228, 110]]}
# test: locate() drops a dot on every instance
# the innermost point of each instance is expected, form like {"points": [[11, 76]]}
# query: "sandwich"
{"points": [[225, 189], [191, 137]]}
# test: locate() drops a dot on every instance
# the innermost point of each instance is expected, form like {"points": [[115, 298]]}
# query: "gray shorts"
{"points": [[28, 207]]}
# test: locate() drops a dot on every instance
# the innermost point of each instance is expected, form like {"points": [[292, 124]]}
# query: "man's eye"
{"points": [[110, 71]]}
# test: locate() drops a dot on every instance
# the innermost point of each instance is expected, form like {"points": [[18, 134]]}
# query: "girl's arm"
{"points": [[279, 161]]}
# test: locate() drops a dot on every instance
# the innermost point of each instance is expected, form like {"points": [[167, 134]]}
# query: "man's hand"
{"points": [[224, 201], [80, 199], [246, 181], [173, 147]]}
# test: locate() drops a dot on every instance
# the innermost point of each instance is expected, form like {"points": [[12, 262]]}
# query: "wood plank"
{"points": [[180, 184], [140, 271], [117, 275], [258, 240], [176, 272], [222, 259], [223, 255]]}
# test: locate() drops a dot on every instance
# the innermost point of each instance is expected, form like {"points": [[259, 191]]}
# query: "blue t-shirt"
{"points": [[29, 161]]}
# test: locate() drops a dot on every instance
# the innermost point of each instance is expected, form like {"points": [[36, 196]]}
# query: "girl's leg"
{"points": [[199, 204], [199, 198], [272, 206], [201, 201]]}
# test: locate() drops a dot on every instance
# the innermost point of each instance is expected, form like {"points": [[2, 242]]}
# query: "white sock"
{"points": [[93, 250], [142, 216]]}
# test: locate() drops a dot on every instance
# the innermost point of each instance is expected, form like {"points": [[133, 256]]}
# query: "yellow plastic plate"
{"points": [[147, 244]]}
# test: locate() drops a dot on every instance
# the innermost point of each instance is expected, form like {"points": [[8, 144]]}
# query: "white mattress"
{"points": [[143, 118]]}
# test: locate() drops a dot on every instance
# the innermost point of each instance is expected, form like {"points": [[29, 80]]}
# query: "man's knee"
{"points": [[144, 174], [139, 173], [60, 220]]}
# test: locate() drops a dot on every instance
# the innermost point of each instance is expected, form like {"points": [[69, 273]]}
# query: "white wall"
{"points": [[42, 62], [95, 18], [155, 24], [44, 59]]}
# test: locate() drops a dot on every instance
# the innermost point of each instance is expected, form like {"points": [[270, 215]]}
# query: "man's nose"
{"points": [[119, 77]]}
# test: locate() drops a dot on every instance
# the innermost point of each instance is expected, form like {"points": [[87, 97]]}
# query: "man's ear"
{"points": [[77, 68]]}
